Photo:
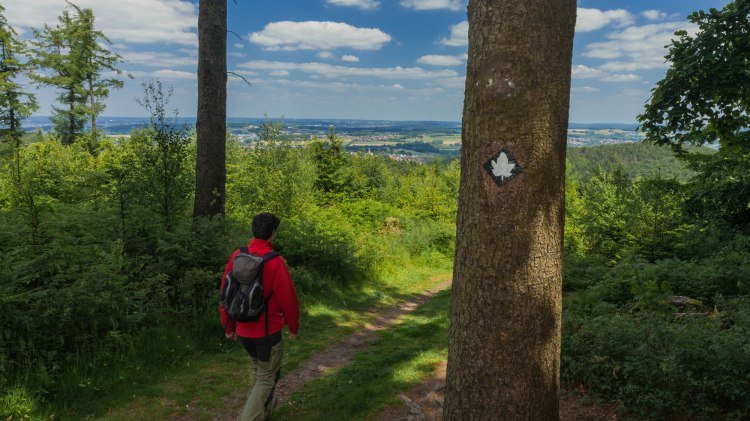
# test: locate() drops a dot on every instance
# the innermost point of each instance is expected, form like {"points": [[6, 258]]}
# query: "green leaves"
{"points": [[705, 95]]}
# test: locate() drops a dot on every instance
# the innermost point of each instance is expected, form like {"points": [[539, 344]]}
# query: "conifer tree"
{"points": [[89, 48], [72, 57], [15, 103]]}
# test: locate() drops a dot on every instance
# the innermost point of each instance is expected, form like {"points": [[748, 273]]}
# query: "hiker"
{"points": [[261, 336]]}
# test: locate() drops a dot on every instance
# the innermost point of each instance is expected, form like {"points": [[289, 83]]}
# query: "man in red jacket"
{"points": [[283, 308]]}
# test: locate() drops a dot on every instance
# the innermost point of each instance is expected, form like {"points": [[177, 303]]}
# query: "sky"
{"points": [[363, 59]]}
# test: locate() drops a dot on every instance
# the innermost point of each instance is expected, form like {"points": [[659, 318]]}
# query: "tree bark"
{"points": [[211, 126], [504, 345]]}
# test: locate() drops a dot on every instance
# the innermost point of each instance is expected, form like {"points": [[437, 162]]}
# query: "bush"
{"points": [[422, 236], [326, 245], [658, 368]]}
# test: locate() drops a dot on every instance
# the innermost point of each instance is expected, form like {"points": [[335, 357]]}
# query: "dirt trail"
{"points": [[335, 355], [424, 402]]}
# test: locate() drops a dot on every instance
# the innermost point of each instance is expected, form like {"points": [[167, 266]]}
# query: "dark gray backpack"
{"points": [[243, 296]]}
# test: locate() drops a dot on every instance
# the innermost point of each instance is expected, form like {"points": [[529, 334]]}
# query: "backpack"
{"points": [[243, 296]]}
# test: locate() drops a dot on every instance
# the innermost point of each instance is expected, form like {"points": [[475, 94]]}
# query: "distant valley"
{"points": [[410, 140]]}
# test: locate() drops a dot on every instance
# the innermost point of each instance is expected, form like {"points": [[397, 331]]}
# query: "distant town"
{"points": [[400, 140]]}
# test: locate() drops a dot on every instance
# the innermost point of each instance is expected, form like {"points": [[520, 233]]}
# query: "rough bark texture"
{"points": [[504, 352], [211, 126]]}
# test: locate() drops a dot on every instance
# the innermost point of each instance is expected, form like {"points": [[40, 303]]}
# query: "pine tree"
{"points": [[72, 57], [93, 59], [15, 103], [504, 343]]}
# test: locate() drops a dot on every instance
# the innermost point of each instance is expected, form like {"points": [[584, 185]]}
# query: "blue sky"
{"points": [[366, 59]]}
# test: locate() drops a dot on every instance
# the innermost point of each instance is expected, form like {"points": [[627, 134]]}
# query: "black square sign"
{"points": [[502, 167]]}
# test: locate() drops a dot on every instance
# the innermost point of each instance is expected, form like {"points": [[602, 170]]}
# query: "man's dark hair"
{"points": [[264, 224]]}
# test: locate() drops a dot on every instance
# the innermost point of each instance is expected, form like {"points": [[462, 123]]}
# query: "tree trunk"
{"points": [[93, 105], [504, 345], [211, 126], [67, 138]]}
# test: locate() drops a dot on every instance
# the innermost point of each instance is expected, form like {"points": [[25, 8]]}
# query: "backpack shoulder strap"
{"points": [[269, 256], [244, 250]]}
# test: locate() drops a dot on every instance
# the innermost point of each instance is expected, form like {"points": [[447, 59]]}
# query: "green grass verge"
{"points": [[402, 357], [197, 376]]}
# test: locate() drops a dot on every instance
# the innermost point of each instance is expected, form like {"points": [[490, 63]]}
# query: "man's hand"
{"points": [[292, 335], [230, 335]]}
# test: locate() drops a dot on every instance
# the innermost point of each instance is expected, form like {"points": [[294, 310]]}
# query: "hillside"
{"points": [[637, 159]]}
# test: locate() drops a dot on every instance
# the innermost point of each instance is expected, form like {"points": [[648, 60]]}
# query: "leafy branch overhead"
{"points": [[705, 95]]}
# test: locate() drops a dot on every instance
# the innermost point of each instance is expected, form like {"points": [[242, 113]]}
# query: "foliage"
{"points": [[101, 250], [705, 98], [656, 367], [705, 95], [334, 177], [644, 160], [72, 57], [15, 103]]}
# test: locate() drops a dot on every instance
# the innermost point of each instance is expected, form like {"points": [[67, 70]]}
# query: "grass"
{"points": [[197, 375], [402, 357]]}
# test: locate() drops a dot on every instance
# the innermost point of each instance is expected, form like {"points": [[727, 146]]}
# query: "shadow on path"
{"points": [[340, 353]]}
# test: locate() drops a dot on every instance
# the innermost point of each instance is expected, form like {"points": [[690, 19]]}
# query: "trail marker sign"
{"points": [[502, 167]]}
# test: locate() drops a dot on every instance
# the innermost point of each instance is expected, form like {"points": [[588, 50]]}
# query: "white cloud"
{"points": [[581, 71], [592, 19], [362, 4], [397, 86], [585, 72], [459, 35], [433, 4], [636, 47], [621, 77], [237, 54], [134, 21], [279, 73], [350, 58], [587, 20], [584, 89], [336, 71], [658, 15], [314, 35], [325, 55], [174, 74], [439, 60], [239, 45], [158, 59]]}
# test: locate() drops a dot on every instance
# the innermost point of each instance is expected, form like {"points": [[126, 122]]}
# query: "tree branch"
{"points": [[235, 34], [241, 77]]}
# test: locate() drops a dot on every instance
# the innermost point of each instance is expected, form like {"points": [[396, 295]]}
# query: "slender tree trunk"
{"points": [[211, 127], [504, 345], [68, 137], [93, 106]]}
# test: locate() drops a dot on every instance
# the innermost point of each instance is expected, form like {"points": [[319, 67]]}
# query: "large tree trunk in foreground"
{"points": [[504, 352], [211, 125]]}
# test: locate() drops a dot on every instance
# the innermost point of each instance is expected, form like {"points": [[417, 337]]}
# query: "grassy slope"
{"points": [[200, 381]]}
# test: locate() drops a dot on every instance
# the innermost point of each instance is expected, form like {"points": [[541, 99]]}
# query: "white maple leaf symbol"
{"points": [[502, 168]]}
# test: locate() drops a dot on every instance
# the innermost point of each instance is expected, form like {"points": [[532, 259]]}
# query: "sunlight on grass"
{"points": [[402, 356], [200, 384]]}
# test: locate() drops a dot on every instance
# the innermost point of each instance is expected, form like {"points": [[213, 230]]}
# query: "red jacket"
{"points": [[283, 307]]}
